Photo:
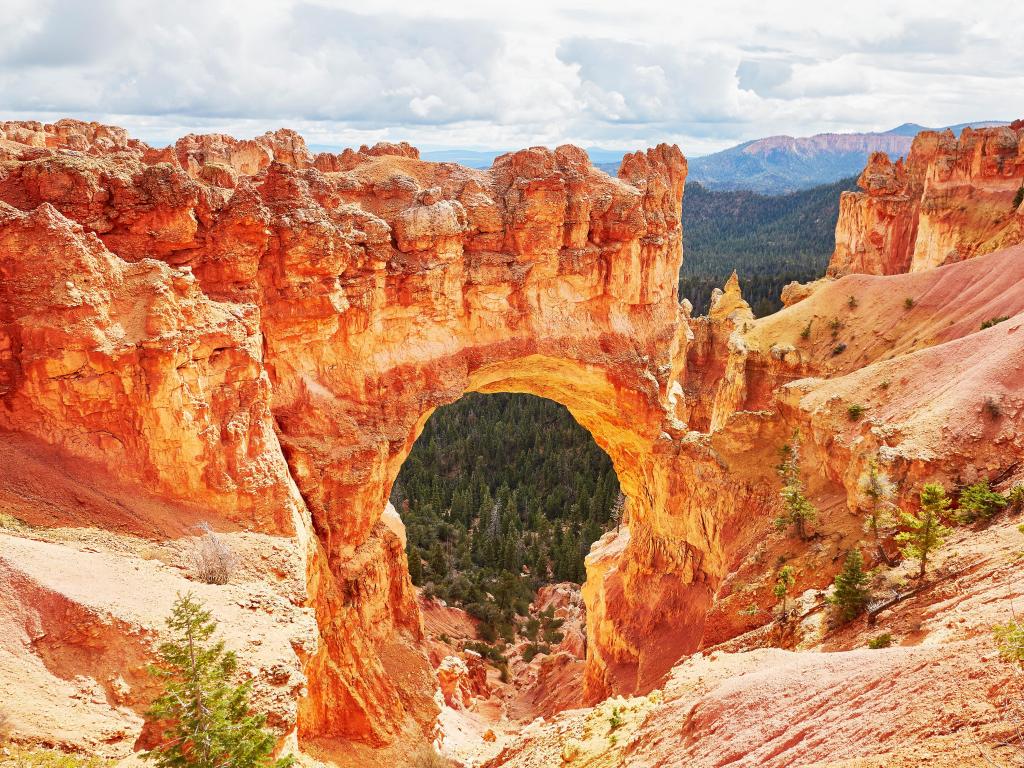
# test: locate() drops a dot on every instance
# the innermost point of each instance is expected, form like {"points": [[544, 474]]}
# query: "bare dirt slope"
{"points": [[937, 697]]}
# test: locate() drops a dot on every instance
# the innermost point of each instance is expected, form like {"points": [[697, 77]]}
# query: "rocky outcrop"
{"points": [[952, 199], [461, 678], [938, 696]]}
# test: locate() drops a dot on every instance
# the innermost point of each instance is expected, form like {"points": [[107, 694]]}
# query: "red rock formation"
{"points": [[132, 366], [241, 329], [461, 678], [951, 200], [939, 696], [318, 318]]}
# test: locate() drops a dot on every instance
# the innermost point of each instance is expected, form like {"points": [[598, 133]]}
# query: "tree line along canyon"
{"points": [[805, 542]]}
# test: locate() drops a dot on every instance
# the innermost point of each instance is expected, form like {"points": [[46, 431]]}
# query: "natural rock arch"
{"points": [[311, 313], [543, 276]]}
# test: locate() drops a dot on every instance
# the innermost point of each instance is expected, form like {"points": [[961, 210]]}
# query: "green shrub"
{"points": [[615, 721], [908, 303], [839, 348], [979, 502], [855, 411], [1015, 498], [34, 757], [1010, 641], [533, 649], [489, 652], [994, 321], [881, 641], [852, 302], [851, 594], [1018, 198], [806, 332]]}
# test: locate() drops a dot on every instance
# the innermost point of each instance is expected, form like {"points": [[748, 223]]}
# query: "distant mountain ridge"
{"points": [[475, 158], [780, 164], [773, 165]]}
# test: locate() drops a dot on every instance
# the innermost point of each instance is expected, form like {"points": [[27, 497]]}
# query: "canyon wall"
{"points": [[950, 200]]}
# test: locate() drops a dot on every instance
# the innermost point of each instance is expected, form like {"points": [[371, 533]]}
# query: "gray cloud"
{"points": [[316, 62], [63, 34], [628, 82], [945, 37], [448, 73], [763, 77]]}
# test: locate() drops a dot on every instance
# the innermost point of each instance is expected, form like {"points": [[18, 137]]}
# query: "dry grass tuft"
{"points": [[210, 558]]}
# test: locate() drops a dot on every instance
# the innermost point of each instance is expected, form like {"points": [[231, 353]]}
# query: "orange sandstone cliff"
{"points": [[227, 326], [951, 199]]}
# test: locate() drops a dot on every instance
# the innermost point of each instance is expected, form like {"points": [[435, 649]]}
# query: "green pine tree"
{"points": [[979, 502], [926, 531], [878, 494], [851, 594], [784, 581], [415, 567], [797, 511], [209, 724]]}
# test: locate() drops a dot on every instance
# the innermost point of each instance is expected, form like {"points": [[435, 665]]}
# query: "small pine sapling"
{"points": [[207, 716], [784, 581], [925, 533], [797, 511], [878, 495], [851, 594]]}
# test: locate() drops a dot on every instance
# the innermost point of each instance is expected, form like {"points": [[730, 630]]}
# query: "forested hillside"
{"points": [[770, 240], [501, 494]]}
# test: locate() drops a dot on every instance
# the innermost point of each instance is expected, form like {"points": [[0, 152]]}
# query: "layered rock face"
{"points": [[952, 199], [242, 326]]}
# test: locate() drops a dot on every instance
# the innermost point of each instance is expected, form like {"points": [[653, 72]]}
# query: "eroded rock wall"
{"points": [[950, 200], [244, 329]]}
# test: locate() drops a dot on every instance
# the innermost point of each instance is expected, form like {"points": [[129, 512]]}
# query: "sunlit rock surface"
{"points": [[950, 200], [241, 333]]}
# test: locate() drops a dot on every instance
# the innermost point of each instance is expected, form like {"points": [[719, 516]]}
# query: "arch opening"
{"points": [[501, 495]]}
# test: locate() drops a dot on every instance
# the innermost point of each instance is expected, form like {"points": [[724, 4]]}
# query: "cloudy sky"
{"points": [[617, 74]]}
